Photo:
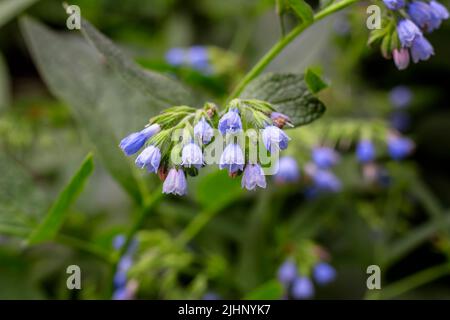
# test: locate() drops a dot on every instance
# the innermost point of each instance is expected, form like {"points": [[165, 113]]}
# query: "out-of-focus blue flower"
{"points": [[120, 293], [232, 158], [288, 170], [176, 57], [125, 263], [192, 155], [135, 141], [118, 241], [253, 176], [420, 14], [400, 120], [399, 147], [302, 288], [274, 137], [326, 181], [394, 4], [211, 296], [120, 279], [400, 96], [149, 158], [407, 32], [175, 182], [401, 58], [324, 273], [203, 131], [198, 58], [325, 157], [365, 151], [230, 122], [287, 272], [421, 49]]}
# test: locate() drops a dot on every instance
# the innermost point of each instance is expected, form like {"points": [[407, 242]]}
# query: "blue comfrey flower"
{"points": [[421, 49], [149, 158], [288, 170], [407, 32], [324, 273], [120, 279], [203, 131], [325, 157], [198, 58], [125, 262], [175, 182], [394, 4], [274, 137], [365, 151], [420, 14], [399, 147], [438, 11], [135, 141], [253, 176], [230, 122], [302, 288], [400, 96], [192, 155], [118, 241], [232, 158], [176, 57], [326, 181], [287, 272]]}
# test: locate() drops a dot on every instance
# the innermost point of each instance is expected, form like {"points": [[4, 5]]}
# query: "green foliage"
{"points": [[57, 213], [314, 81], [271, 290], [5, 98], [10, 8], [289, 94], [302, 10]]}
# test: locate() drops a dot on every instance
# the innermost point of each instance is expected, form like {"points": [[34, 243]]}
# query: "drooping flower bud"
{"points": [[401, 58]]}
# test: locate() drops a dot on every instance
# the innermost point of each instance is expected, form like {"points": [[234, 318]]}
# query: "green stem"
{"points": [[282, 43]]}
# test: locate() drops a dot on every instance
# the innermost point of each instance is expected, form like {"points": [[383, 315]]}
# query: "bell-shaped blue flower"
{"points": [[253, 176], [198, 58], [176, 57], [302, 288], [230, 122], [407, 32], [287, 272], [149, 158], [274, 137], [365, 151], [192, 155], [288, 170], [325, 157], [394, 4], [421, 49], [438, 12], [399, 147], [324, 273], [135, 141], [420, 14], [326, 181], [175, 182], [232, 158], [203, 131]]}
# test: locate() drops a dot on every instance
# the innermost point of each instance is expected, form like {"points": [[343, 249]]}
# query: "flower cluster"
{"points": [[196, 57], [324, 180], [301, 286], [196, 134], [124, 289], [420, 17]]}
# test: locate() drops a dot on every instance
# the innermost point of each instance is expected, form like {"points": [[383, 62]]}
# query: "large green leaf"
{"points": [[105, 107], [57, 213], [159, 87], [289, 94], [10, 8], [4, 84]]}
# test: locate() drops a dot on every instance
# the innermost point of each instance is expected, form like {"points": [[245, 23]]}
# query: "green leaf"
{"points": [[166, 90], [314, 81], [57, 213], [4, 84], [376, 35], [105, 107], [302, 10], [289, 94], [10, 8], [272, 290]]}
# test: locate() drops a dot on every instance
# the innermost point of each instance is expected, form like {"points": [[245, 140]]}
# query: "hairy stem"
{"points": [[282, 43]]}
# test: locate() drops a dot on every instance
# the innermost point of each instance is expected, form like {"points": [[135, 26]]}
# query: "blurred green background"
{"points": [[219, 239]]}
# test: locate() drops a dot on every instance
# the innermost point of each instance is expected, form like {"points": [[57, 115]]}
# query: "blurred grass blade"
{"points": [[158, 86], [4, 84], [101, 102], [272, 290], [55, 216], [11, 8]]}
